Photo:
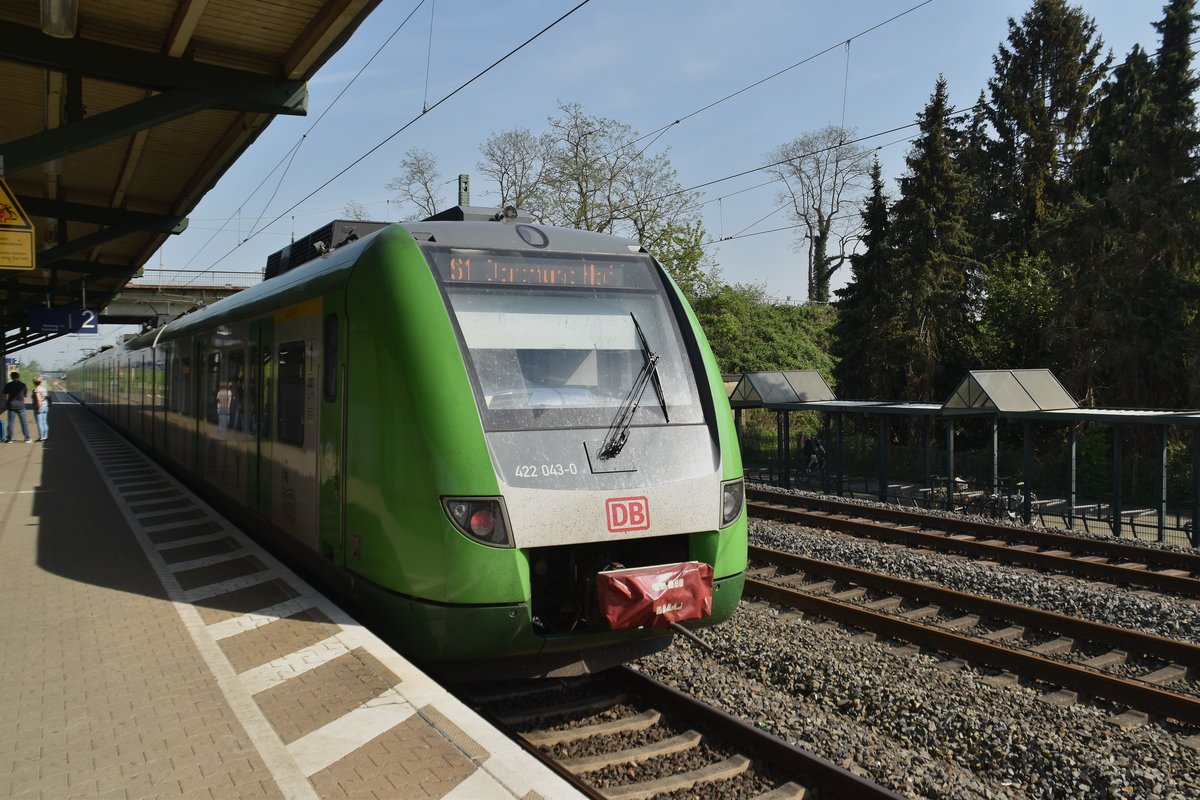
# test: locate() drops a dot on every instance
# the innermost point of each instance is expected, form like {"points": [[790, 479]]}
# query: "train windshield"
{"points": [[552, 340]]}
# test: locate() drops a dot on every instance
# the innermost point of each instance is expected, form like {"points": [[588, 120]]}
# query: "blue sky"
{"points": [[641, 62]]}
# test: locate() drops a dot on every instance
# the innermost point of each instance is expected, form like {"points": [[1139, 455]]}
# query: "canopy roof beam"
{"points": [[157, 110]]}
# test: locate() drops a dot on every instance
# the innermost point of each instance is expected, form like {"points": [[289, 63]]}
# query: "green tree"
{"points": [[1041, 102], [749, 332], [866, 368], [1092, 229], [933, 325], [1137, 223], [681, 252]]}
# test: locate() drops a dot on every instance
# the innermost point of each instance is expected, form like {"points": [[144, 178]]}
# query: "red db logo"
{"points": [[627, 514]]}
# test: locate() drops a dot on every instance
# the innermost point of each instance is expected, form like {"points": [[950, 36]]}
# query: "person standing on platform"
{"points": [[16, 392], [224, 405], [41, 407]]}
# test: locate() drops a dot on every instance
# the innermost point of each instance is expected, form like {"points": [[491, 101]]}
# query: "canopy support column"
{"points": [[1162, 484], [883, 454], [1195, 523], [841, 453], [1073, 444], [1027, 474], [1116, 471], [950, 464]]}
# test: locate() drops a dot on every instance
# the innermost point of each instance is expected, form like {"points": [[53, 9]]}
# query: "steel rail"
{"points": [[829, 776], [1134, 641], [1189, 562], [1050, 561], [1087, 681]]}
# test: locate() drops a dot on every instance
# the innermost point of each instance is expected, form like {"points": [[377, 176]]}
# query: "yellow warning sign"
{"points": [[16, 232]]}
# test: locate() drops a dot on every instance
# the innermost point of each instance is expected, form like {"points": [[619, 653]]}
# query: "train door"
{"points": [[153, 393], [178, 405], [195, 402], [207, 376], [222, 427], [143, 393], [162, 369], [332, 416], [126, 388], [294, 457], [261, 396]]}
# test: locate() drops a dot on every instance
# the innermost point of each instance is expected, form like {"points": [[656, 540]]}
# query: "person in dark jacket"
{"points": [[814, 453], [16, 392]]}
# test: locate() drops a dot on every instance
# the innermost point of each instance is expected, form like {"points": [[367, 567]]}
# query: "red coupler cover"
{"points": [[655, 596]]}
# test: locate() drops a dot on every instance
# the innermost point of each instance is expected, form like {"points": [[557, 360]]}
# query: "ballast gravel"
{"points": [[921, 725], [1173, 617]]}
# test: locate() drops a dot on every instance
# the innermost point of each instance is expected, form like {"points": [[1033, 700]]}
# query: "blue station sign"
{"points": [[63, 320]]}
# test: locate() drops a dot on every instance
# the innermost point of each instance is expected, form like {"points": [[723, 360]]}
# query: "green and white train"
{"points": [[501, 440]]}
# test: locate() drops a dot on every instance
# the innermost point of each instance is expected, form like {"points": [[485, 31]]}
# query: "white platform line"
{"points": [[256, 619], [202, 593], [201, 539], [347, 733], [167, 527], [148, 521], [480, 784], [282, 669], [207, 561]]}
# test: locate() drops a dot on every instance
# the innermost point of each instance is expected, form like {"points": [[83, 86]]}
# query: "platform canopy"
{"points": [[119, 115], [773, 389], [1011, 391]]}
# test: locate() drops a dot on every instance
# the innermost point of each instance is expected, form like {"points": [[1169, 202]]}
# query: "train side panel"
{"points": [[411, 431], [725, 549]]}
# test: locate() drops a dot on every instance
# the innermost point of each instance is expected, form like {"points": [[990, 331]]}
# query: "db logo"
{"points": [[627, 514]]}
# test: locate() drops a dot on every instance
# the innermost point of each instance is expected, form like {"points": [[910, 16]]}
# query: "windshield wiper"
{"points": [[647, 353], [618, 431]]}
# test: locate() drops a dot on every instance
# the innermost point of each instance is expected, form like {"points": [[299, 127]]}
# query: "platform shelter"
{"points": [[984, 397]]}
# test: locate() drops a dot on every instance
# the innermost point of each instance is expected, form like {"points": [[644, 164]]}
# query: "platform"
{"points": [[149, 649]]}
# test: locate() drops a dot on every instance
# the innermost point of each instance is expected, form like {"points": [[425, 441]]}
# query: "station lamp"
{"points": [[59, 18]]}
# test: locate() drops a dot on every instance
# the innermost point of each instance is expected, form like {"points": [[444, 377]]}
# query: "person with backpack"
{"points": [[16, 391]]}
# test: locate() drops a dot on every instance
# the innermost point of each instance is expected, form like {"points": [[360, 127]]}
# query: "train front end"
{"points": [[612, 504]]}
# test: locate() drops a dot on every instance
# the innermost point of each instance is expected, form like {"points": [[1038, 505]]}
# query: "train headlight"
{"points": [[732, 495], [482, 519]]}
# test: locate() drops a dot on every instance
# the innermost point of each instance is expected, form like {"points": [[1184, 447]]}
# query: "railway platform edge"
{"points": [[150, 649]]}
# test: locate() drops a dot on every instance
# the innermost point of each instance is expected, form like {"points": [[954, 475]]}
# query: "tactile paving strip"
{"points": [[332, 710]]}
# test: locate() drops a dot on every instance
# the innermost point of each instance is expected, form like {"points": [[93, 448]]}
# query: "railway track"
{"points": [[1113, 561], [623, 736], [1079, 655]]}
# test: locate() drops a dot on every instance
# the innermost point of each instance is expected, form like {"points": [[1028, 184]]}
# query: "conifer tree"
{"points": [[867, 368], [1041, 103], [933, 260], [1136, 232]]}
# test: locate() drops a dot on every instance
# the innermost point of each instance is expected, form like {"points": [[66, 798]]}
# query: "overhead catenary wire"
{"points": [[953, 114], [405, 127], [290, 155], [658, 132], [742, 234], [429, 54], [655, 134]]}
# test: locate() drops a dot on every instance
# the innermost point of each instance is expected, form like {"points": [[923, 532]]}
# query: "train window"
{"points": [[212, 366], [235, 380], [289, 418], [556, 344], [330, 357]]}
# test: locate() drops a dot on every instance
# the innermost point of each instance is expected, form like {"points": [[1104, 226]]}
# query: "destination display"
{"points": [[522, 270]]}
